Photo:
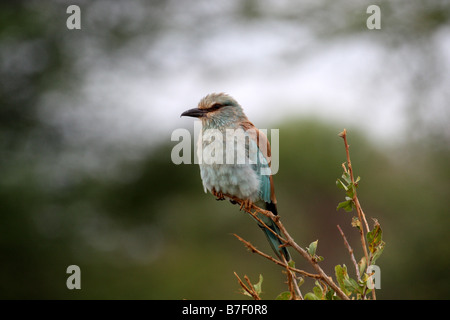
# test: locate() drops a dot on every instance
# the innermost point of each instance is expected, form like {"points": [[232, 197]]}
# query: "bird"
{"points": [[251, 180]]}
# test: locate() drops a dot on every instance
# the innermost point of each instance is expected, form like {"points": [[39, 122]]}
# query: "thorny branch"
{"points": [[291, 271], [250, 289], [289, 241], [361, 215], [278, 262], [350, 251]]}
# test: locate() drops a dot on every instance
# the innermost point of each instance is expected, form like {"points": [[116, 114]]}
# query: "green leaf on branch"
{"points": [[374, 237], [312, 251], [342, 276], [291, 263], [330, 294], [317, 293], [375, 241], [341, 185], [347, 284], [346, 205], [312, 248], [286, 295], [258, 286], [353, 286], [318, 290], [350, 191], [378, 253], [311, 296], [346, 177], [362, 265]]}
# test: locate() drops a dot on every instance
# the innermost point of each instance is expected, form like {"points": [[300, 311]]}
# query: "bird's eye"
{"points": [[215, 106]]}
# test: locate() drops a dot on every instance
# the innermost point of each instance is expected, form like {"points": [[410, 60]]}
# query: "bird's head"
{"points": [[217, 110]]}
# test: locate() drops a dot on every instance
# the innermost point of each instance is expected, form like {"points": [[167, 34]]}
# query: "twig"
{"points": [[251, 291], [361, 216], [255, 216], [292, 283], [350, 251], [289, 240], [313, 262], [296, 294], [358, 207], [285, 265]]}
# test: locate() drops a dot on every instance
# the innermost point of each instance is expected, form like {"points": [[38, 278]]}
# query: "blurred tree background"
{"points": [[86, 116]]}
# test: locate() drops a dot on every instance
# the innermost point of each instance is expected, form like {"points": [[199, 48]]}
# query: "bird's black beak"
{"points": [[195, 112]]}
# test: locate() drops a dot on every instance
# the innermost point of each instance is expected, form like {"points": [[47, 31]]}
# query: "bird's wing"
{"points": [[258, 141]]}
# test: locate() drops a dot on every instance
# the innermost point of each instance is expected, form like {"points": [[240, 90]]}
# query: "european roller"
{"points": [[243, 168]]}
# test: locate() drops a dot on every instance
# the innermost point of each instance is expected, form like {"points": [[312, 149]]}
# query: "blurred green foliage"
{"points": [[158, 236], [147, 230]]}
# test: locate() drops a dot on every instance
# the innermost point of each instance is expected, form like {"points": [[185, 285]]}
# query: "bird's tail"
{"points": [[274, 241]]}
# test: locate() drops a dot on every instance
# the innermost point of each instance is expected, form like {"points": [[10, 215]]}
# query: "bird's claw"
{"points": [[247, 204], [217, 194]]}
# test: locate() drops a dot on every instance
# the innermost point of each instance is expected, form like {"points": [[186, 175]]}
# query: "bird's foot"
{"points": [[217, 194], [247, 204]]}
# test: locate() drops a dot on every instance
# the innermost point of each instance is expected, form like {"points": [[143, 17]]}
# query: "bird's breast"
{"points": [[231, 177]]}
